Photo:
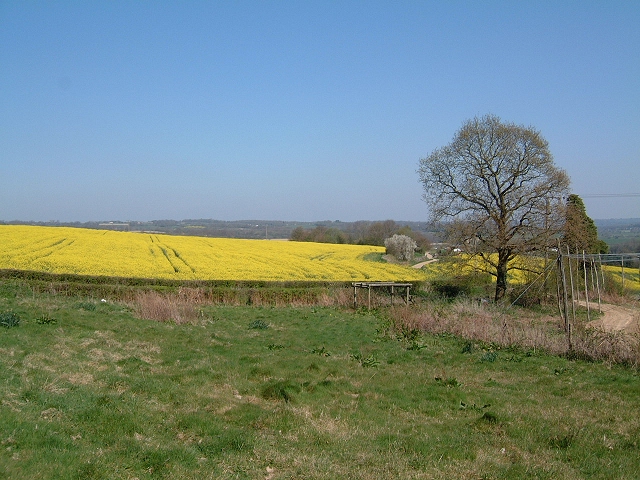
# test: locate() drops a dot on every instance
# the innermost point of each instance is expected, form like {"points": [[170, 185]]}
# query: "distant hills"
{"points": [[621, 234], [250, 229], [616, 222]]}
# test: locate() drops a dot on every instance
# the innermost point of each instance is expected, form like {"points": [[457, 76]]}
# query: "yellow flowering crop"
{"points": [[143, 255], [464, 264], [631, 277]]}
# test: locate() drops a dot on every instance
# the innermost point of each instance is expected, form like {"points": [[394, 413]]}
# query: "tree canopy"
{"points": [[580, 231], [497, 186]]}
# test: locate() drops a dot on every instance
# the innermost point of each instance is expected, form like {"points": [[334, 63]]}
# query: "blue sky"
{"points": [[279, 110]]}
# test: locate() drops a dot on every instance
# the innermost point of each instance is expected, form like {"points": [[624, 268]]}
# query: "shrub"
{"points": [[462, 285]]}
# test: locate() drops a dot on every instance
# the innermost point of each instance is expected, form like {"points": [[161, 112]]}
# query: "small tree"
{"points": [[401, 246]]}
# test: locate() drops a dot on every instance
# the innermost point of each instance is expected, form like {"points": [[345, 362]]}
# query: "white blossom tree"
{"points": [[401, 246]]}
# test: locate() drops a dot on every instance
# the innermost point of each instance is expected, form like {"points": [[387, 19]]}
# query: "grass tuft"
{"points": [[280, 390]]}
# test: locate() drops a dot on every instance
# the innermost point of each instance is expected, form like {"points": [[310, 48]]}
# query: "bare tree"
{"points": [[497, 185]]}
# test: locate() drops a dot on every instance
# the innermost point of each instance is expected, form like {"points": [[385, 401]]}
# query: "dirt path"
{"points": [[616, 318], [430, 259], [422, 264]]}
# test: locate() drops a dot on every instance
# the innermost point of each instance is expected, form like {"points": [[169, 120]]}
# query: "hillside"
{"points": [[621, 234], [91, 390]]}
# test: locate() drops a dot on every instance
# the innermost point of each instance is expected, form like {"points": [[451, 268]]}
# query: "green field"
{"points": [[89, 390]]}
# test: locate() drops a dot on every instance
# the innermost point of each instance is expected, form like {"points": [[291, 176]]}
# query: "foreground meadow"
{"points": [[90, 391], [142, 255]]}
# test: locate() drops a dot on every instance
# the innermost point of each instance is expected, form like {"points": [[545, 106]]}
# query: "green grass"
{"points": [[320, 393]]}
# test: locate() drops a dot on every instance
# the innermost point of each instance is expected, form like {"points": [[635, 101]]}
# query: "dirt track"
{"points": [[616, 318], [429, 260]]}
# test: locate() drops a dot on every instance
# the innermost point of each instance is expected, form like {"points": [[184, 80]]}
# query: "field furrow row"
{"points": [[139, 255]]}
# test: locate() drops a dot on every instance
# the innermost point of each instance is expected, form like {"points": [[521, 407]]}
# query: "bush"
{"points": [[462, 285], [401, 246]]}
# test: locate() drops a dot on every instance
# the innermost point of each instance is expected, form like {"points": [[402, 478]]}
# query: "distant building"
{"points": [[121, 227]]}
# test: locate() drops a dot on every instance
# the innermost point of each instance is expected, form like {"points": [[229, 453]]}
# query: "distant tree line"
{"points": [[630, 246], [361, 233]]}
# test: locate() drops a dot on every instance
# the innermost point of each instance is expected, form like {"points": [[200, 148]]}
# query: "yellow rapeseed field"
{"points": [[144, 255]]}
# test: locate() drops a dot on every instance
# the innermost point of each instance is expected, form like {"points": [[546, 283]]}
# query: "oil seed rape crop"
{"points": [[143, 255]]}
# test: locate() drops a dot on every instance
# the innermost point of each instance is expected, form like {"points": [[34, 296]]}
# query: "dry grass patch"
{"points": [[180, 308], [517, 328], [484, 323]]}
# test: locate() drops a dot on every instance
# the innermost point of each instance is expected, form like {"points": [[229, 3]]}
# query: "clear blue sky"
{"points": [[300, 110]]}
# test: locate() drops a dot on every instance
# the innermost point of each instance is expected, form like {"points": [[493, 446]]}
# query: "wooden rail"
{"points": [[370, 285]]}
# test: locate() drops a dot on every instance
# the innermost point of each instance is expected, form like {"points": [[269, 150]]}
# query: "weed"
{"points": [[9, 319], [322, 351], [408, 334], [514, 358], [468, 347], [258, 325], [489, 356], [46, 319], [474, 407], [385, 328], [526, 330], [366, 362], [447, 382], [416, 346], [275, 346]]}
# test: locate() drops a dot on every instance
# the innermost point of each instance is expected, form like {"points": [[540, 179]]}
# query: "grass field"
{"points": [[90, 391], [124, 254]]}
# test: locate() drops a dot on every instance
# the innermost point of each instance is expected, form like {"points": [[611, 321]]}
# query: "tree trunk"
{"points": [[501, 275]]}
